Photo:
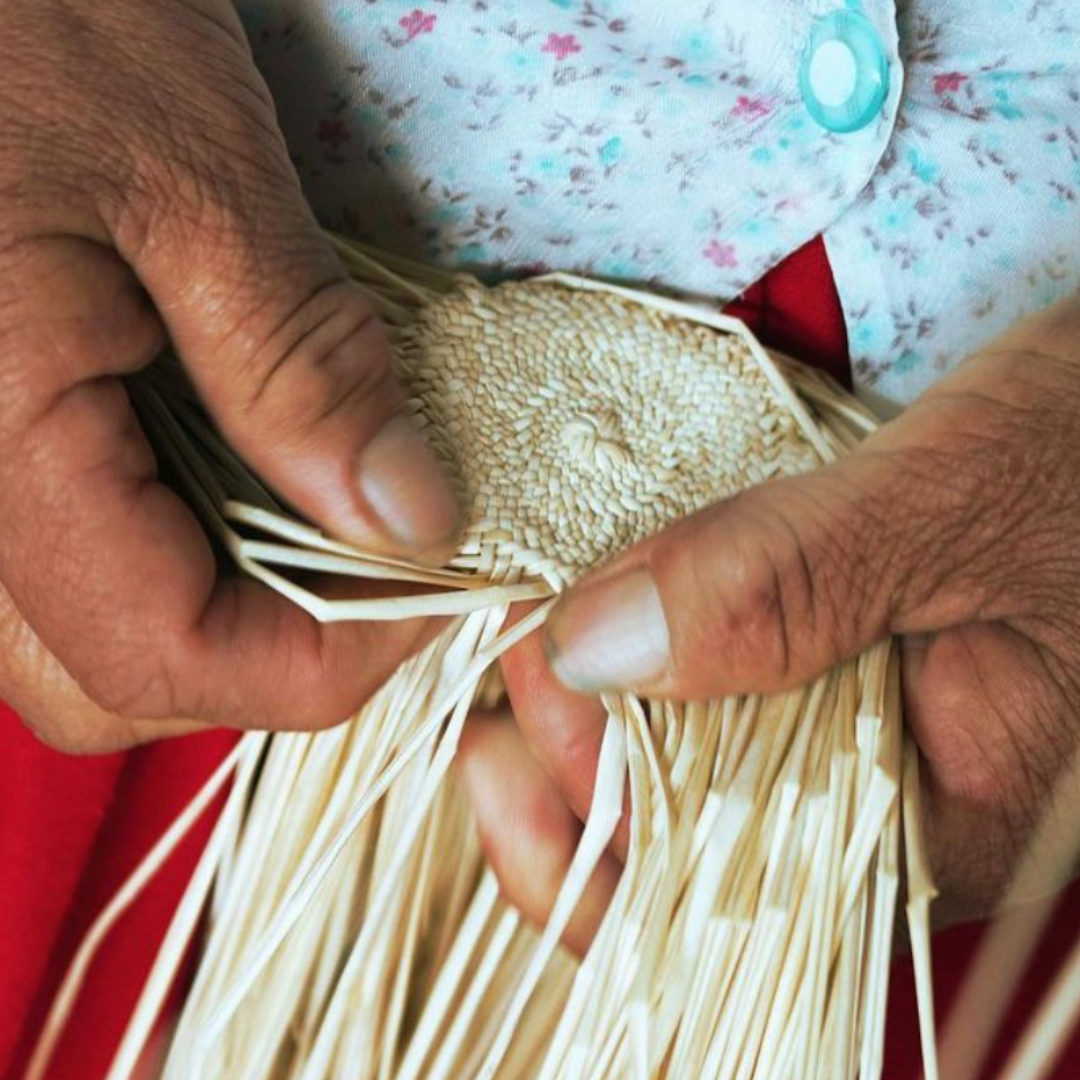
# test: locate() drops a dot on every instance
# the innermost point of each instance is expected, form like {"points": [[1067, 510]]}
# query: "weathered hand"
{"points": [[145, 192], [956, 526]]}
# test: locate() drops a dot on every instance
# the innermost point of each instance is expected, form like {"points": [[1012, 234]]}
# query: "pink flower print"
{"points": [[416, 23], [333, 134], [948, 82], [562, 45], [722, 256], [752, 108]]}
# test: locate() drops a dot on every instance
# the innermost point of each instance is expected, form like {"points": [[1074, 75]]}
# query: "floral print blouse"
{"points": [[671, 144]]}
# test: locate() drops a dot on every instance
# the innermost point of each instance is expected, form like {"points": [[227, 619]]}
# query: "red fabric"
{"points": [[795, 309], [71, 829]]}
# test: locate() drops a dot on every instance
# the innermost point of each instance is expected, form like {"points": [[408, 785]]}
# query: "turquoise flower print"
{"points": [[612, 151]]}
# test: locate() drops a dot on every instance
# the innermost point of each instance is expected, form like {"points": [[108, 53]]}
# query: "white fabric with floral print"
{"points": [[669, 144]]}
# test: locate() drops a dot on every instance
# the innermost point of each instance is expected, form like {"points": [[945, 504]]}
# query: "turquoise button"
{"points": [[844, 73]]}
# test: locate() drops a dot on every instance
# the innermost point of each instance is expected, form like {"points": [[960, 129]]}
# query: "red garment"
{"points": [[72, 828]]}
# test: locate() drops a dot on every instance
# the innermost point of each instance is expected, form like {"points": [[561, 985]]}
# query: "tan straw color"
{"points": [[355, 931]]}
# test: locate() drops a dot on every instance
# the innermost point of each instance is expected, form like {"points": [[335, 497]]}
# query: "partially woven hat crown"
{"points": [[356, 927], [579, 422]]}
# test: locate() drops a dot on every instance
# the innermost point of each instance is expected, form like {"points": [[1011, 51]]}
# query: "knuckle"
{"points": [[127, 136], [763, 622], [208, 170], [171, 196], [329, 355], [796, 584], [51, 184], [748, 604]]}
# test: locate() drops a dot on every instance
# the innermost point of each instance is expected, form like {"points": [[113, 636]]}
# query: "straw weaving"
{"points": [[354, 928]]}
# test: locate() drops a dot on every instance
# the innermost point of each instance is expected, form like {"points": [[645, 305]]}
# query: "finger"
{"points": [[996, 735], [563, 730], [51, 704], [528, 832], [286, 350], [108, 566], [759, 593], [925, 526]]}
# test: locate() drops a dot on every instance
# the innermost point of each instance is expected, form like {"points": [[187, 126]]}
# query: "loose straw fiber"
{"points": [[355, 930]]}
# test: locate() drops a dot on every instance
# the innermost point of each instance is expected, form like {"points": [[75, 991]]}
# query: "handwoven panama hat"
{"points": [[355, 928]]}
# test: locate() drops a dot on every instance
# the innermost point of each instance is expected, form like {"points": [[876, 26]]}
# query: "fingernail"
{"points": [[610, 636], [404, 485]]}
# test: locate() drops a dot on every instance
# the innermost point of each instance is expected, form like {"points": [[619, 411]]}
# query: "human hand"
{"points": [[145, 193], [956, 526]]}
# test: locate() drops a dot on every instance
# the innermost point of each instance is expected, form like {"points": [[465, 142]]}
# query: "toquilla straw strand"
{"points": [[355, 928]]}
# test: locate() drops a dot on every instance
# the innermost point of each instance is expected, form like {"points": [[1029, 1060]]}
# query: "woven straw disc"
{"points": [[354, 927], [578, 423]]}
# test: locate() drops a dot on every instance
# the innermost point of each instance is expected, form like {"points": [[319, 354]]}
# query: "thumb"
{"points": [[287, 352], [766, 590]]}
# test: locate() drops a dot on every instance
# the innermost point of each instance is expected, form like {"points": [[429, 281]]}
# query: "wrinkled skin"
{"points": [[956, 526], [145, 192]]}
